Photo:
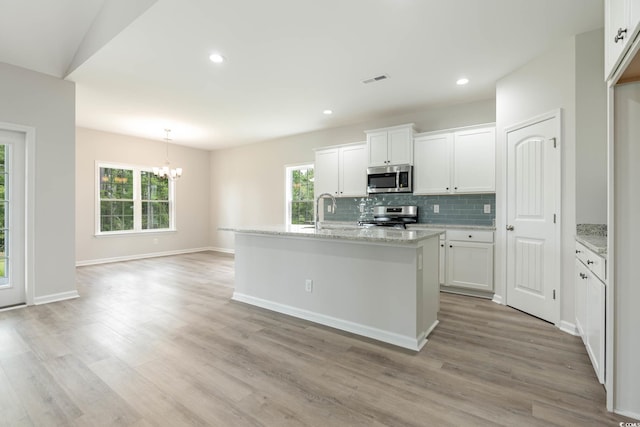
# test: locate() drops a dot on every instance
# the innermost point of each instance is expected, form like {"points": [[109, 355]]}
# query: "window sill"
{"points": [[134, 233]]}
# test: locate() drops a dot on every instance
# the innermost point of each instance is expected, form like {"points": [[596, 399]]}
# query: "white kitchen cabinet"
{"points": [[442, 258], [353, 171], [474, 161], [590, 306], [469, 261], [432, 164], [455, 161], [390, 146], [341, 171], [621, 28], [580, 294]]}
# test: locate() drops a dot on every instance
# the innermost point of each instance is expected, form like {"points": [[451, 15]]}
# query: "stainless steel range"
{"points": [[392, 216]]}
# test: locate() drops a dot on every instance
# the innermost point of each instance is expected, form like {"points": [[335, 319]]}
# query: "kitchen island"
{"points": [[377, 282]]}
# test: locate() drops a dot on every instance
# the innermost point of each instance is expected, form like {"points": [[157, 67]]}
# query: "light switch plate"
{"points": [[436, 208], [487, 208]]}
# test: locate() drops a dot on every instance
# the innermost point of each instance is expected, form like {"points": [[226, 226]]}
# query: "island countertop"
{"points": [[359, 234]]}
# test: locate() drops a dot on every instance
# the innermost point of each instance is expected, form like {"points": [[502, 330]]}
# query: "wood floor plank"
{"points": [[158, 342]]}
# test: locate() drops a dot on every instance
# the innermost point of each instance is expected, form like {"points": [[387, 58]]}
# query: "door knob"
{"points": [[509, 227]]}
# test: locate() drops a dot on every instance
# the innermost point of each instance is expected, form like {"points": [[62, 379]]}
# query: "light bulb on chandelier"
{"points": [[166, 170]]}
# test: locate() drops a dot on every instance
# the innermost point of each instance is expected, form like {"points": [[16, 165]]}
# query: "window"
{"points": [[299, 195], [133, 199], [4, 205]]}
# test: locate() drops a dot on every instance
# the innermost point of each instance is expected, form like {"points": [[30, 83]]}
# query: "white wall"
{"points": [[552, 81], [192, 197], [591, 129], [248, 182], [47, 104]]}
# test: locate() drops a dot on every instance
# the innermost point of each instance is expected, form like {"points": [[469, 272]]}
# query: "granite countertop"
{"points": [[350, 232], [597, 244]]}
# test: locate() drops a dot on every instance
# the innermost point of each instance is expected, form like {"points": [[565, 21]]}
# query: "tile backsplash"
{"points": [[463, 209]]}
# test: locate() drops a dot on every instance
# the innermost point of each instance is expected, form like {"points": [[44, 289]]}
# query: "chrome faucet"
{"points": [[333, 209]]}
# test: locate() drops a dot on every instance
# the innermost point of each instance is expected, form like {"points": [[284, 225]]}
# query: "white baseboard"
{"points": [[497, 299], [627, 414], [411, 343], [223, 250], [143, 256], [45, 299], [569, 328]]}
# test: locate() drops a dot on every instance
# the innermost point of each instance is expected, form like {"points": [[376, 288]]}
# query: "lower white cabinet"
{"points": [[468, 261], [442, 264], [590, 306]]}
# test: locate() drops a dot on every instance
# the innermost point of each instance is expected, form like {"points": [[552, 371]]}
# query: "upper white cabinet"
{"points": [[474, 161], [390, 146], [341, 171], [461, 161], [621, 28], [432, 165]]}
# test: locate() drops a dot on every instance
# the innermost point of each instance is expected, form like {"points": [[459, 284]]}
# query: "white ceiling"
{"points": [[287, 60]]}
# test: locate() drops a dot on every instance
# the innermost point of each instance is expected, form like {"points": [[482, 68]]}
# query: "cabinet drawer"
{"points": [[594, 262], [470, 235]]}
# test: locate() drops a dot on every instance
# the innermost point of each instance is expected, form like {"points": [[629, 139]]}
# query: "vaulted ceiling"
{"points": [[141, 66]]}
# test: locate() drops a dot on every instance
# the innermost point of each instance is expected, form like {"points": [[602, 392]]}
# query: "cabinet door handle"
{"points": [[470, 236], [447, 188], [509, 227], [450, 246], [442, 245], [578, 251], [583, 276], [589, 262], [620, 36]]}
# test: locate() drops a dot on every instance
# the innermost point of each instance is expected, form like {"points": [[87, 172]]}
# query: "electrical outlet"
{"points": [[487, 208], [328, 208], [436, 208], [308, 285]]}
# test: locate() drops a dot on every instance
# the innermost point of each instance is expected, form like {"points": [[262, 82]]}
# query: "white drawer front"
{"points": [[593, 261], [470, 235]]}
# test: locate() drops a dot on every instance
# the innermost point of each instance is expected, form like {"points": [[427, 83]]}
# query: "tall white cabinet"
{"points": [[456, 161], [622, 65], [341, 170], [622, 19]]}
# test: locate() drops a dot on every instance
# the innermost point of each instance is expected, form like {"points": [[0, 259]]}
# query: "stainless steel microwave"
{"points": [[390, 179]]}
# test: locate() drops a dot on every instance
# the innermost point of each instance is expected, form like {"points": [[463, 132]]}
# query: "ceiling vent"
{"points": [[376, 79]]}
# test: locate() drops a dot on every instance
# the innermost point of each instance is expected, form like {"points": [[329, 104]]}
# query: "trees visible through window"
{"points": [[116, 199], [300, 195], [133, 199], [4, 210], [155, 202]]}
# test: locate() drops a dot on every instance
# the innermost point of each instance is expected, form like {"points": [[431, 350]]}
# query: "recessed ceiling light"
{"points": [[216, 58], [327, 112], [463, 81]]}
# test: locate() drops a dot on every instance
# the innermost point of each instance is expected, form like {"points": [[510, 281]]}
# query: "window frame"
{"points": [[137, 201], [288, 169]]}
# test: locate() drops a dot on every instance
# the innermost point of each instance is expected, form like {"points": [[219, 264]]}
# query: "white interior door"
{"points": [[12, 218], [533, 203]]}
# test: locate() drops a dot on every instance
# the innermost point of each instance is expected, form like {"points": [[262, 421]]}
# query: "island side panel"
{"points": [[365, 288], [429, 292]]}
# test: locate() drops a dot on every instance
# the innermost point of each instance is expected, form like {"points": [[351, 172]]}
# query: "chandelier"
{"points": [[166, 170]]}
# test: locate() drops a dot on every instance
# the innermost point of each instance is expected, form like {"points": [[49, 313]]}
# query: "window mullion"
{"points": [[137, 202]]}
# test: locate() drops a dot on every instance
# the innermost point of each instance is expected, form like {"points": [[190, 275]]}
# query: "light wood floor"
{"points": [[158, 342]]}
